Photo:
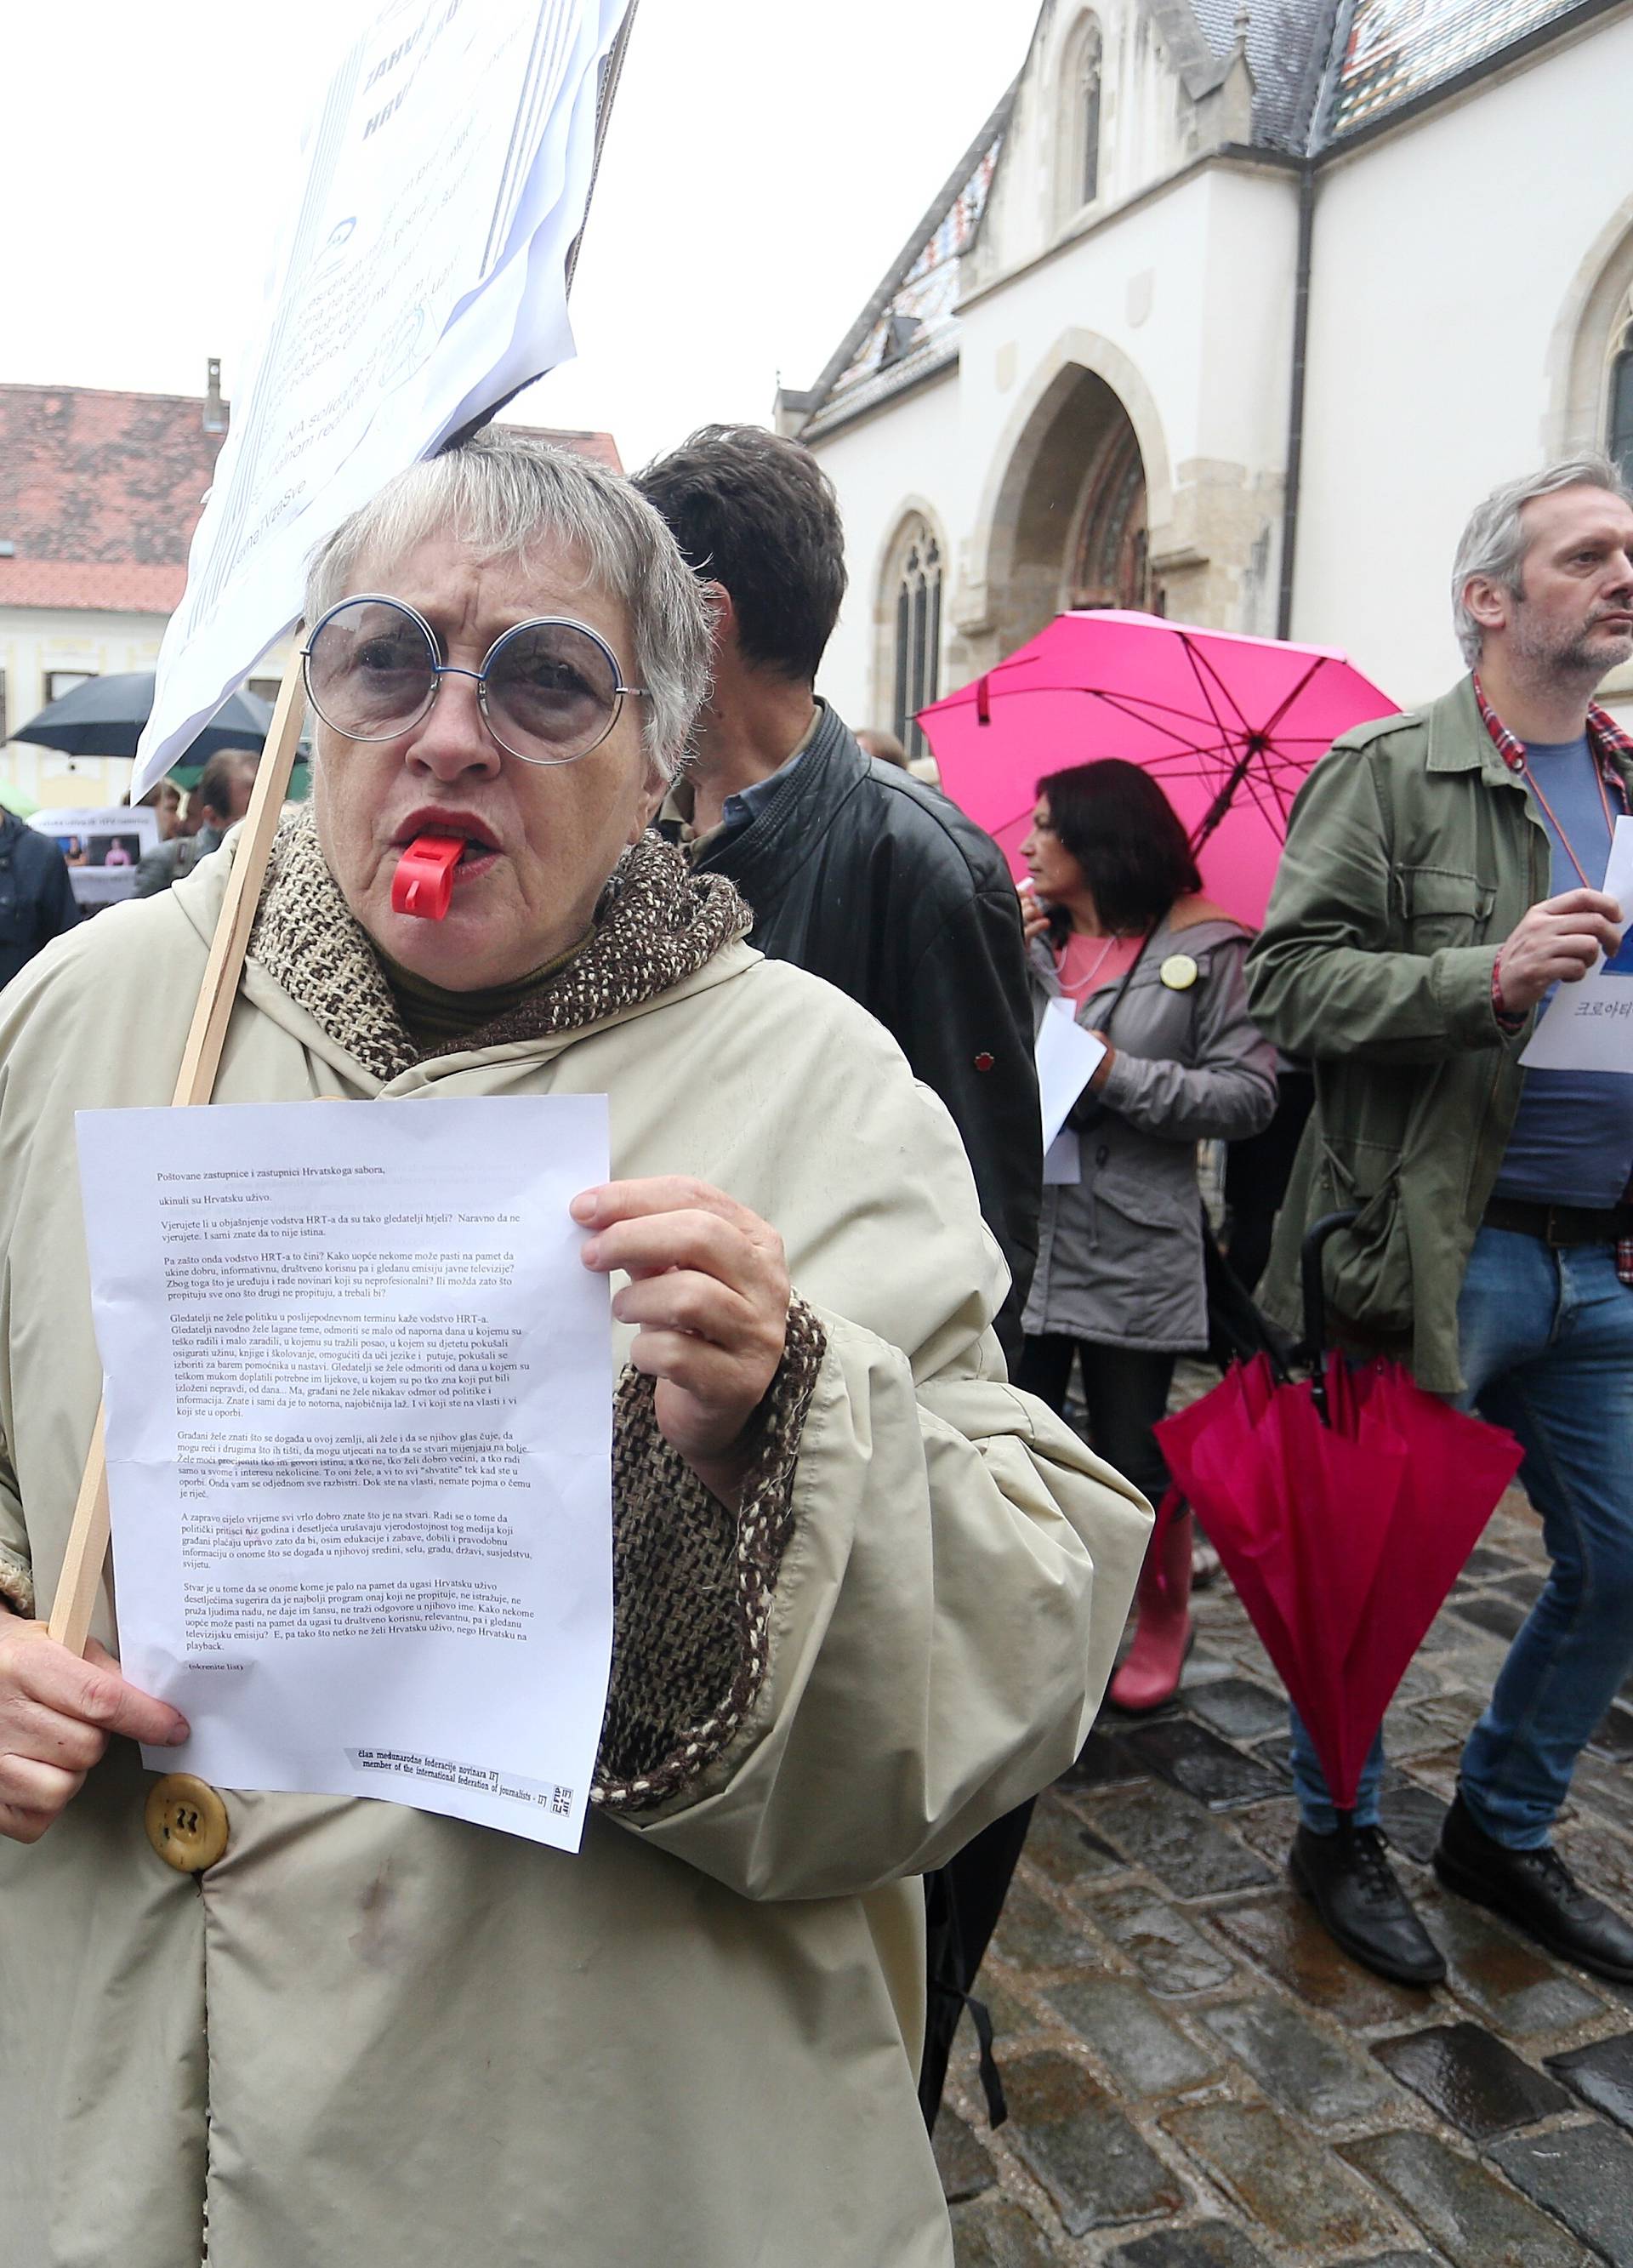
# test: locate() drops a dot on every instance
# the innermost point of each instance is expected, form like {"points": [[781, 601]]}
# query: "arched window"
{"points": [[917, 638], [1619, 410], [1591, 356], [1089, 117], [1080, 119]]}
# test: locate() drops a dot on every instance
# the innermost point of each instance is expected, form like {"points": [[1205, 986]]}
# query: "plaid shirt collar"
{"points": [[1607, 741], [1605, 737]]}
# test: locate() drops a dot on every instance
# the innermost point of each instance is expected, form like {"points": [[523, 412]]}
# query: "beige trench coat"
{"points": [[370, 2035]]}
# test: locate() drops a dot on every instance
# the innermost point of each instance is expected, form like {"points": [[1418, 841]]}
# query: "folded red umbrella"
{"points": [[1343, 1507]]}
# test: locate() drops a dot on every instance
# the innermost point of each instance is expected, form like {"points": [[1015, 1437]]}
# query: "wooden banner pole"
{"points": [[87, 1540]]}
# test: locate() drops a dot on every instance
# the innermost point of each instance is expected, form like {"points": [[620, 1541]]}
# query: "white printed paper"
{"points": [[358, 1390], [1588, 1026], [1068, 1058], [422, 280]]}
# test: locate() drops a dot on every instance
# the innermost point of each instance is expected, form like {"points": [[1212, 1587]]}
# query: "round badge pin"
{"points": [[1179, 972]]}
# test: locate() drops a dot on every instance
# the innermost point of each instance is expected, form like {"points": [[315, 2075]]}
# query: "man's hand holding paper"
{"points": [[1575, 941]]}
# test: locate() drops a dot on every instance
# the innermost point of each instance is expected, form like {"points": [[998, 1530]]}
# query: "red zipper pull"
{"points": [[423, 882]]}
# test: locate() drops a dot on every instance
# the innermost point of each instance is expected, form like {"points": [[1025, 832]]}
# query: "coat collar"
{"points": [[1459, 741], [780, 837], [1457, 738]]}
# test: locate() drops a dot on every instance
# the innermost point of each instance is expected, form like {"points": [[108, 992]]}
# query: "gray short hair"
{"points": [[1495, 542], [503, 494]]}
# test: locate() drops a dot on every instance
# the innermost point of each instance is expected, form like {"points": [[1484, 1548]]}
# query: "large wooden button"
{"points": [[186, 1823]]}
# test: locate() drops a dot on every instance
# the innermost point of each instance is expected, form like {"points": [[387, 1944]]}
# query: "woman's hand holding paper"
{"points": [[57, 1713], [709, 1292]]}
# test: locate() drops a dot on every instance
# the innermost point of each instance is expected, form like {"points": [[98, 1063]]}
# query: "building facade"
{"points": [[1234, 319], [100, 494]]}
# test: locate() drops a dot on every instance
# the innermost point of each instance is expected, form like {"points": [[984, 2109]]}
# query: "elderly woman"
{"points": [[866, 1593]]}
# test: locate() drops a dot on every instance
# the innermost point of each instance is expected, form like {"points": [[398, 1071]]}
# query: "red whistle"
{"points": [[423, 882]]}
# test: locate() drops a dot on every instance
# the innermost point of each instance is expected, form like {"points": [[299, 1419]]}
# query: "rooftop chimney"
{"points": [[215, 408]]}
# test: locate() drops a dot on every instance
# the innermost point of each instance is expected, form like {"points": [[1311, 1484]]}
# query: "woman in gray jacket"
{"points": [[1119, 926]]}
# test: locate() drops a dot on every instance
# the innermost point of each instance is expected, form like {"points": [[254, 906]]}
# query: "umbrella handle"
{"points": [[1309, 1256]]}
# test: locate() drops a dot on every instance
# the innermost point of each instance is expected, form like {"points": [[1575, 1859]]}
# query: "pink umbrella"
{"points": [[1229, 725]]}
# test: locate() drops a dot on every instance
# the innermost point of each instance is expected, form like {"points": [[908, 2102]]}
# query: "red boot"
{"points": [[1163, 1632]]}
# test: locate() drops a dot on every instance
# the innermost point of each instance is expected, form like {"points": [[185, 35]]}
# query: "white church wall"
{"points": [[901, 459], [1146, 130], [1444, 257], [1183, 306]]}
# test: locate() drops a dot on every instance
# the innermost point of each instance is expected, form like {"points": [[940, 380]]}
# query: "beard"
{"points": [[1552, 650]]}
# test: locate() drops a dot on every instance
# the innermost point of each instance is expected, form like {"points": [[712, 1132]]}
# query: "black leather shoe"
{"points": [[1352, 1886], [1537, 1892]]}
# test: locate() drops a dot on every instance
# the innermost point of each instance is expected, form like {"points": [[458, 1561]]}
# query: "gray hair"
{"points": [[1495, 542], [504, 494]]}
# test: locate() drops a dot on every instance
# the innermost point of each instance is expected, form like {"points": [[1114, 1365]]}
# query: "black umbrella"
{"points": [[104, 717]]}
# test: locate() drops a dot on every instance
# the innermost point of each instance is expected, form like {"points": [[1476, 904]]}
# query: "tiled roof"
{"points": [[914, 332], [1288, 45], [908, 328], [1321, 69], [1398, 49], [100, 494], [100, 491], [98, 585]]}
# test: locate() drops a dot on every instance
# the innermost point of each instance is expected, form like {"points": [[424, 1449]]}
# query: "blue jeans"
{"points": [[1546, 1342]]}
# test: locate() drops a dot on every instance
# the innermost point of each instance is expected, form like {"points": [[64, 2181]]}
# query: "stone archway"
{"points": [[1069, 518]]}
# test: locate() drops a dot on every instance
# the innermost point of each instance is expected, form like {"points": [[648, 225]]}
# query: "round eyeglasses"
{"points": [[549, 690]]}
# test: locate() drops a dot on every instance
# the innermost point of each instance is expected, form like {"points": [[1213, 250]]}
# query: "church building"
{"points": [[1234, 319]]}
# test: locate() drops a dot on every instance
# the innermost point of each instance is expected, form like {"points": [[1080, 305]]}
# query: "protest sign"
{"points": [[423, 281], [1588, 1026], [358, 1420], [103, 848], [512, 98]]}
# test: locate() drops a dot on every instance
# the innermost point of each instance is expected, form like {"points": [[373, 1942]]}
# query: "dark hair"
{"points": [[221, 775], [758, 515], [1122, 829]]}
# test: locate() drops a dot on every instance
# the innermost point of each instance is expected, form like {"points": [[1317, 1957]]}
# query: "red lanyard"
{"points": [[1565, 842]]}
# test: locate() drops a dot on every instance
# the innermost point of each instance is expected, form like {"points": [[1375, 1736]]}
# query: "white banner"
{"points": [[423, 281]]}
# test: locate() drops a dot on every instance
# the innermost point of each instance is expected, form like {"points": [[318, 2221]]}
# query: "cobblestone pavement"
{"points": [[1198, 2078]]}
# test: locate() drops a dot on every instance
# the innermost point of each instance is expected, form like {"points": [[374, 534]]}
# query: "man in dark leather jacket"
{"points": [[853, 870], [36, 897], [863, 875]]}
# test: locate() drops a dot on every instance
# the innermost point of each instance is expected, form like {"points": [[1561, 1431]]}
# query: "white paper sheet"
{"points": [[359, 1435], [1068, 1058], [1588, 1026]]}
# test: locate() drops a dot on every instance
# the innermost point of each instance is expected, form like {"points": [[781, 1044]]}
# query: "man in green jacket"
{"points": [[1440, 880]]}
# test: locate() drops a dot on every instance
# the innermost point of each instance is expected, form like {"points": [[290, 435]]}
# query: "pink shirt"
{"points": [[1085, 963]]}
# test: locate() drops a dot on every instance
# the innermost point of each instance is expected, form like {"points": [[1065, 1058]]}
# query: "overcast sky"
{"points": [[765, 162]]}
